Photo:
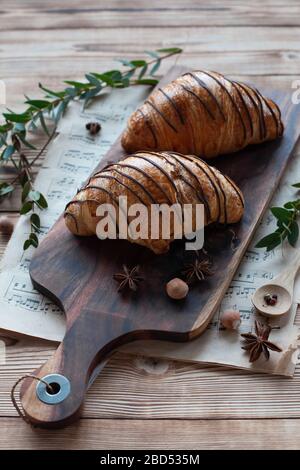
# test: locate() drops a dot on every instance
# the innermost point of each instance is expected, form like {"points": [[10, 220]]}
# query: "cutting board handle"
{"points": [[88, 341]]}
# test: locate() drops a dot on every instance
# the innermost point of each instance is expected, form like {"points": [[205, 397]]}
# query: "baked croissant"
{"points": [[156, 178], [205, 114]]}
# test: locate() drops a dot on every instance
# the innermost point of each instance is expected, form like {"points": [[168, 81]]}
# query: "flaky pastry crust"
{"points": [[156, 178], [205, 114]]}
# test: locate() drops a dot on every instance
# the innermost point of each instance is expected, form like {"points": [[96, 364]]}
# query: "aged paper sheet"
{"points": [[71, 157]]}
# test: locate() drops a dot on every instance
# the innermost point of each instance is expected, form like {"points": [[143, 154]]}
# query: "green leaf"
{"points": [[143, 71], [286, 227], [155, 67], [78, 85], [93, 80], [27, 244], [125, 82], [38, 104], [8, 152], [138, 63], [129, 74], [294, 233], [289, 205], [90, 94], [153, 54], [35, 221], [282, 214], [19, 128], [58, 94], [42, 202], [59, 110], [6, 127], [26, 143], [34, 195], [26, 189], [109, 78], [270, 241], [27, 206], [6, 188], [125, 62], [147, 81], [115, 74], [34, 238], [13, 117], [71, 91], [43, 123], [170, 50], [296, 185], [3, 138]]}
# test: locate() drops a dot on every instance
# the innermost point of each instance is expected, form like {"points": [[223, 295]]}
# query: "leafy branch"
{"points": [[287, 225], [39, 113]]}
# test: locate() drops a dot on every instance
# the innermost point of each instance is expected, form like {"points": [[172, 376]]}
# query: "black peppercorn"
{"points": [[93, 127]]}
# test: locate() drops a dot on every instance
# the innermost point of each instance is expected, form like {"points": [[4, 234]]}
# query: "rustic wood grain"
{"points": [[270, 28], [77, 274], [279, 434], [104, 41], [143, 388], [169, 14]]}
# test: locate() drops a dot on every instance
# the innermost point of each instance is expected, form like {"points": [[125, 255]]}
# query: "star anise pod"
{"points": [[128, 278], [258, 343], [198, 270]]}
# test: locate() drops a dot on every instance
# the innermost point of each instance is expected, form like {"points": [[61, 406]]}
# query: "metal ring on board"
{"points": [[61, 386]]}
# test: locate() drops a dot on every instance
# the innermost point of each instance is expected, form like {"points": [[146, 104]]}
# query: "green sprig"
{"points": [[287, 225], [16, 126]]}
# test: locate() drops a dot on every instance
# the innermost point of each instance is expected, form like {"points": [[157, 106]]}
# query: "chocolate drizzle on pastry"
{"points": [[205, 87], [200, 196], [165, 178], [235, 106], [176, 108], [255, 105], [150, 127], [161, 114], [203, 103], [149, 177], [203, 113], [155, 154]]}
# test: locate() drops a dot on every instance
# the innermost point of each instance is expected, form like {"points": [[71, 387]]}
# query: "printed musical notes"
{"points": [[71, 157]]}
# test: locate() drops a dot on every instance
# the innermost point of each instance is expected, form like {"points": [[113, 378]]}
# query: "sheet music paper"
{"points": [[71, 157], [219, 346]]}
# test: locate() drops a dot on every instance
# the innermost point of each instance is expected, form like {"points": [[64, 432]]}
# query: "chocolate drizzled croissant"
{"points": [[205, 114], [156, 178]]}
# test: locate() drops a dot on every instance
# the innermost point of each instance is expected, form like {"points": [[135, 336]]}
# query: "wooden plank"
{"points": [[232, 62], [134, 375], [98, 317], [154, 434], [143, 388], [167, 14], [17, 86], [132, 40]]}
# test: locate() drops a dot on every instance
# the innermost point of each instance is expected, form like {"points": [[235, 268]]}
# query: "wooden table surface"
{"points": [[139, 402]]}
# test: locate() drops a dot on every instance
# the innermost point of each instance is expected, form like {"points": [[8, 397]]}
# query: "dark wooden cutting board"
{"points": [[77, 274]]}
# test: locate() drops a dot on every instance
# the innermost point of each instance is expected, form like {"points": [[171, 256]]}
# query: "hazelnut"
{"points": [[231, 319], [177, 288], [6, 225]]}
